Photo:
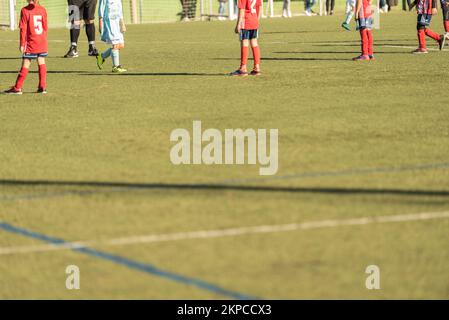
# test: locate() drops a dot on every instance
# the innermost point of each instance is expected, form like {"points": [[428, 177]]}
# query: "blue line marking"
{"points": [[147, 268]]}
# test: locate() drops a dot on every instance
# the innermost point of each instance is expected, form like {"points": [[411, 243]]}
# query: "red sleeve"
{"points": [[44, 21], [242, 4], [23, 25]]}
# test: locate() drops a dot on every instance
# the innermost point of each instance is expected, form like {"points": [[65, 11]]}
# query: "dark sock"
{"points": [[90, 32], [74, 35]]}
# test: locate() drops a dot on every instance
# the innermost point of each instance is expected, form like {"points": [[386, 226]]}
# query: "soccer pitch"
{"points": [[363, 173]]}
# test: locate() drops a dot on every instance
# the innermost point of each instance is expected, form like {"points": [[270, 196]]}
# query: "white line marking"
{"points": [[232, 232], [409, 47]]}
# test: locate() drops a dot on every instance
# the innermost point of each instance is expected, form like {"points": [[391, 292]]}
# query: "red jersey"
{"points": [[33, 29], [366, 11], [252, 9], [425, 6]]}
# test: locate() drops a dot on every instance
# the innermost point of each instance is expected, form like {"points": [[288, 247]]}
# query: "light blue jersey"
{"points": [[111, 12]]}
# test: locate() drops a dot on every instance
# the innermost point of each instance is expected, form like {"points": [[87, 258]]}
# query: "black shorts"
{"points": [[82, 10], [246, 34]]}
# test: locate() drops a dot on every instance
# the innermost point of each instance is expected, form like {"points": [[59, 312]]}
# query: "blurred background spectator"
{"points": [[188, 10]]}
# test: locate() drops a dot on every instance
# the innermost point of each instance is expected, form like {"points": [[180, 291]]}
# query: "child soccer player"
{"points": [[247, 27], [33, 44], [364, 22], [350, 6], [112, 27], [425, 10]]}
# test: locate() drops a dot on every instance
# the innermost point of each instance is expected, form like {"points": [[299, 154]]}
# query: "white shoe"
{"points": [[289, 13], [308, 13], [285, 14]]}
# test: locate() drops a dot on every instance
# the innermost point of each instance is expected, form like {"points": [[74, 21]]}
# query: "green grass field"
{"points": [[90, 162]]}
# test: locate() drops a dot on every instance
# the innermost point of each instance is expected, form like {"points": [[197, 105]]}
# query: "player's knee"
{"points": [[254, 43], [245, 42], [89, 21], [26, 63], [40, 61]]}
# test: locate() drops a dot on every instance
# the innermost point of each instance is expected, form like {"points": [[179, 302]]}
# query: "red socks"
{"points": [[370, 42], [446, 26], [23, 75], [244, 56], [42, 76], [422, 38], [365, 41], [433, 35], [21, 78], [256, 54]]}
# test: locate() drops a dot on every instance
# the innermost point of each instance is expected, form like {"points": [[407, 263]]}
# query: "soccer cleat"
{"points": [[41, 91], [371, 57], [346, 26], [255, 72], [239, 73], [118, 69], [441, 42], [13, 90], [420, 51], [93, 52], [445, 37], [361, 58], [100, 61], [72, 53]]}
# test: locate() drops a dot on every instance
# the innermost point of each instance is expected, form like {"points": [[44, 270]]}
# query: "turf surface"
{"points": [[335, 117]]}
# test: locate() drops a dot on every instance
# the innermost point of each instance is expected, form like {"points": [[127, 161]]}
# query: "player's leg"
{"points": [[425, 22], [256, 54], [23, 73], [420, 27], [369, 34], [75, 7], [350, 4], [101, 58], [244, 53], [286, 11], [89, 22], [332, 7], [364, 39], [42, 75], [115, 53], [445, 9]]}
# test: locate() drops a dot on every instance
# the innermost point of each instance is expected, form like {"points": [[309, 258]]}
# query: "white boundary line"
{"points": [[232, 232]]}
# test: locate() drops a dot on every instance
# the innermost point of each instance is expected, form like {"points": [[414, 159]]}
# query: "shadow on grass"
{"points": [[290, 59], [334, 52], [103, 73], [222, 187]]}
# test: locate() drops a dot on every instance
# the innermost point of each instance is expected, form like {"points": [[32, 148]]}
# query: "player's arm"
{"points": [[358, 7], [122, 25], [434, 7], [101, 7], [45, 22], [23, 26], [240, 21]]}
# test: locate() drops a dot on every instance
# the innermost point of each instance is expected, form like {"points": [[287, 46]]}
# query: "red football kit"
{"points": [[252, 9], [33, 39], [33, 29]]}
